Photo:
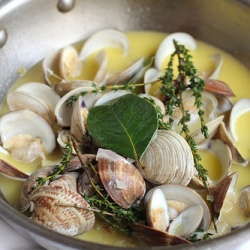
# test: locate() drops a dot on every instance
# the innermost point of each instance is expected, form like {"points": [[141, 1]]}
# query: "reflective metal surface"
{"points": [[34, 27]]}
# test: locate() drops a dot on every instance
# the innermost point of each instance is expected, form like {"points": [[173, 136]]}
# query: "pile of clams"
{"points": [[166, 188]]}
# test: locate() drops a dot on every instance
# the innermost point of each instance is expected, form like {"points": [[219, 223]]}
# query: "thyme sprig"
{"points": [[199, 235], [173, 89], [59, 169], [97, 89]]}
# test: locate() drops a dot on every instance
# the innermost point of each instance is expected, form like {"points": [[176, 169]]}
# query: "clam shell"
{"points": [[12, 172], [221, 190], [122, 181], [127, 74], [186, 223], [32, 130], [168, 159], [20, 100], [63, 88], [239, 108], [49, 64], [153, 237], [69, 63], [61, 210], [63, 112], [186, 195], [167, 46], [157, 211], [28, 186], [104, 39]]}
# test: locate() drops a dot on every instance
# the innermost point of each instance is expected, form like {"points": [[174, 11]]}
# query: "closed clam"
{"points": [[61, 209], [168, 159], [121, 179]]}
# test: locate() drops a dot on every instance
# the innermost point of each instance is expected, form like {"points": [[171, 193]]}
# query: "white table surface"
{"points": [[12, 240]]}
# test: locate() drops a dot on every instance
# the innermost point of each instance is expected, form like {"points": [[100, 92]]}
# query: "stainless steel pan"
{"points": [[29, 28]]}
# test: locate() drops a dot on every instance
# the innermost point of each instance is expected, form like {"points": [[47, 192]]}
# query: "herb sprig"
{"points": [[173, 89], [57, 170]]}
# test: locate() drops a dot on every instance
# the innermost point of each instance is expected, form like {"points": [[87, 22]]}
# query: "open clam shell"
{"points": [[104, 39], [153, 237], [32, 138], [186, 195], [167, 46], [69, 63], [63, 112], [239, 108]]}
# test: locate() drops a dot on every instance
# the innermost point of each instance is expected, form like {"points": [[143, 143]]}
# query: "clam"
{"points": [[168, 159], [218, 87], [209, 106], [224, 135], [64, 113], [153, 237], [32, 138], [110, 95], [62, 88], [104, 39], [184, 225], [30, 184], [223, 153], [121, 179], [12, 172], [212, 126], [218, 61], [157, 102], [223, 190], [127, 74], [186, 195], [244, 200], [78, 119], [239, 108], [61, 209], [101, 76], [167, 46], [36, 97], [69, 64], [157, 211], [50, 63]]}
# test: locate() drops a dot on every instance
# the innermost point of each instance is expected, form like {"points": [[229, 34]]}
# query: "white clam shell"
{"points": [[218, 60], [167, 46], [69, 63], [223, 153], [111, 95], [102, 73], [104, 39], [63, 112], [239, 108], [186, 223], [29, 125], [157, 211], [125, 75], [36, 97], [168, 159], [42, 91], [49, 63], [186, 195]]}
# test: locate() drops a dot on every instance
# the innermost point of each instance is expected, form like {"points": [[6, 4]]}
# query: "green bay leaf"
{"points": [[125, 126]]}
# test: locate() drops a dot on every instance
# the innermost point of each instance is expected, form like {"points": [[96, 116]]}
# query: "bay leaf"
{"points": [[125, 126]]}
